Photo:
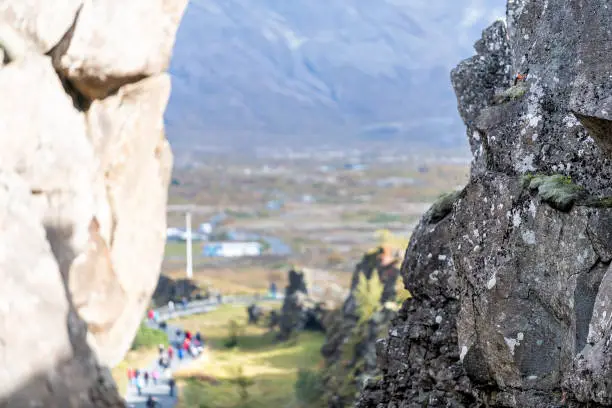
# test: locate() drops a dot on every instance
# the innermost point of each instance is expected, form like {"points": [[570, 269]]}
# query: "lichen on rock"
{"points": [[510, 288], [513, 93]]}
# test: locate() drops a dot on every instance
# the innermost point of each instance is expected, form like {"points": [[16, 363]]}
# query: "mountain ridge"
{"points": [[306, 72]]}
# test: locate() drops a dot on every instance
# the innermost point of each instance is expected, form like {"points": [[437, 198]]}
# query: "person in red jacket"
{"points": [[130, 375], [151, 314], [170, 353], [188, 334]]}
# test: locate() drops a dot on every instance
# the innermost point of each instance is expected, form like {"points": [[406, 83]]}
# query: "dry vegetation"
{"points": [[329, 214]]}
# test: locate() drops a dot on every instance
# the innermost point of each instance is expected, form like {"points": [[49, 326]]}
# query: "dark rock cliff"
{"points": [[300, 311], [511, 283], [350, 346]]}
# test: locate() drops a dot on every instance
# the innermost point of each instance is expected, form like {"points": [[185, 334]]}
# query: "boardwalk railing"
{"points": [[208, 305]]}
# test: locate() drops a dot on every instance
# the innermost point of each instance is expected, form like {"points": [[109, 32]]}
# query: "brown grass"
{"points": [[235, 281]]}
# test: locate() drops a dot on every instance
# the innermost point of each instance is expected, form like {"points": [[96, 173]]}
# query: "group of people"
{"points": [[185, 343], [184, 303], [141, 378]]}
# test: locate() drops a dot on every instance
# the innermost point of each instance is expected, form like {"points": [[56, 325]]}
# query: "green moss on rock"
{"points": [[600, 202], [557, 190], [443, 206], [511, 94]]}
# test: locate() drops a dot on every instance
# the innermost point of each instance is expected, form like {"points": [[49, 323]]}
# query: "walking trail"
{"points": [[161, 390]]}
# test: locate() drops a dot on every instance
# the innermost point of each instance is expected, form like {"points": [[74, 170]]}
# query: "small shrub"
{"points": [[403, 294], [148, 337], [265, 245], [234, 331], [309, 387], [242, 382]]}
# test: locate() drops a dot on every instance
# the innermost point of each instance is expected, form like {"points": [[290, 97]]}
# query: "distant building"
{"points": [[180, 234], [205, 228], [175, 234], [231, 249]]}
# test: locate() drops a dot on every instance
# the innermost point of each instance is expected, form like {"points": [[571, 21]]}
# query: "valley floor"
{"points": [[260, 368]]}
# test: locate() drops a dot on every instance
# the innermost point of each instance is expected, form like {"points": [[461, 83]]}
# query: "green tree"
{"points": [[367, 295]]}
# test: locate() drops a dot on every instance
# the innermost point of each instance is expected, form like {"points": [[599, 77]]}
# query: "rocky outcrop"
{"points": [[174, 289], [510, 287], [420, 358], [350, 345], [254, 313], [300, 311], [84, 170]]}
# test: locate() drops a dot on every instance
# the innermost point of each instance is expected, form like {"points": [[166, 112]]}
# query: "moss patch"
{"points": [[557, 190], [601, 202], [443, 206], [511, 94]]}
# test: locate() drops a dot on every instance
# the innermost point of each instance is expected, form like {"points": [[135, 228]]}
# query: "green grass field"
{"points": [[178, 249], [267, 369]]}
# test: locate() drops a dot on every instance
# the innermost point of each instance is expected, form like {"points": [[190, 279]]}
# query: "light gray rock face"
{"points": [[526, 281], [83, 191], [114, 43], [41, 23]]}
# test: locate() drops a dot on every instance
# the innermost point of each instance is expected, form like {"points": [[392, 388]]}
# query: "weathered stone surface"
{"points": [[420, 357], [117, 42], [127, 134], [36, 305], [41, 23], [517, 314], [61, 199], [83, 187], [92, 281]]}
